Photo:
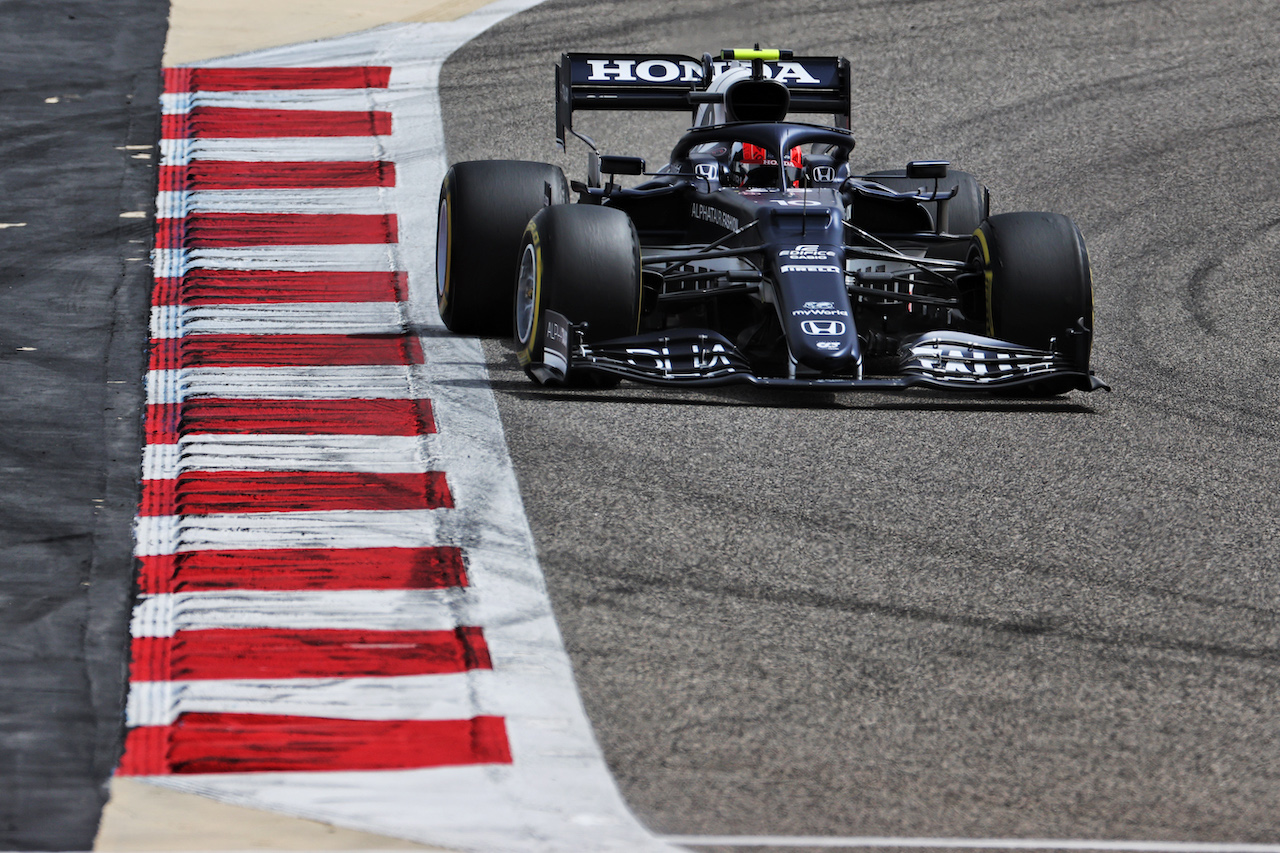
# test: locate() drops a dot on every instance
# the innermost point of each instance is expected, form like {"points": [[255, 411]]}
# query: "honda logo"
{"points": [[823, 327], [823, 174]]}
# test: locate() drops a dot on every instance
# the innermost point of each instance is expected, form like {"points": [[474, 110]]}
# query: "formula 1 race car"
{"points": [[755, 255]]}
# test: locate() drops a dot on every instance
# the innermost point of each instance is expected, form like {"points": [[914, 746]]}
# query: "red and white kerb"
{"points": [[302, 607]]}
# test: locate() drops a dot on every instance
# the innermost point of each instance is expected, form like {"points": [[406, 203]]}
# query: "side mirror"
{"points": [[927, 169], [615, 165]]}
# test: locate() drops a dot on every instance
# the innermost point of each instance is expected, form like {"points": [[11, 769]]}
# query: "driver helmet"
{"points": [[760, 168]]}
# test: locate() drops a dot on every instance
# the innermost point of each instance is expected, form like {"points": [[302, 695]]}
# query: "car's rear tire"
{"points": [[1038, 283], [582, 262], [484, 207]]}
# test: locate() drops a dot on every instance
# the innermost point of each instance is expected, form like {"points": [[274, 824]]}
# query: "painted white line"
{"points": [[381, 454], [177, 152], [175, 204], [381, 609], [381, 382], [864, 842], [282, 318]]}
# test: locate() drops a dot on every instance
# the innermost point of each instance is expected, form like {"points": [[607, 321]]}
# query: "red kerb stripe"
{"points": [[242, 123], [284, 351], [251, 79], [212, 492], [162, 423], [249, 175], [273, 653], [157, 497], [229, 287], [221, 416], [297, 569], [260, 743], [231, 230]]}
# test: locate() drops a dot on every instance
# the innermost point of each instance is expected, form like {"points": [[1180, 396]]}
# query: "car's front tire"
{"points": [[583, 263], [1038, 284], [484, 207]]}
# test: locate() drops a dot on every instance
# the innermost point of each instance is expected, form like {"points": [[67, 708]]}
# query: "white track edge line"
{"points": [[863, 842]]}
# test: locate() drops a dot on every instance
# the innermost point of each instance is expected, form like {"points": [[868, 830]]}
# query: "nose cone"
{"points": [[827, 344], [816, 311]]}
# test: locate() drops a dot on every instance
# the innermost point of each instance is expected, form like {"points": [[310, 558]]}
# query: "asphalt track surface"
{"points": [[79, 84], [925, 615]]}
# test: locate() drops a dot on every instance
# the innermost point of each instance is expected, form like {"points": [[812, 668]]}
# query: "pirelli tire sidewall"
{"points": [[582, 262], [483, 209], [1039, 285]]}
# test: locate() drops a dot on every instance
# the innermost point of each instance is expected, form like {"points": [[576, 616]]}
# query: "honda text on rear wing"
{"points": [[638, 81]]}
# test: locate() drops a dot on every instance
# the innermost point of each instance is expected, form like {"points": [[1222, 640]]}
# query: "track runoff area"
{"points": [[342, 617]]}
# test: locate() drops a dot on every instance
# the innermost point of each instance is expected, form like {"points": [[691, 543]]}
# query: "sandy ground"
{"points": [[206, 29], [142, 817]]}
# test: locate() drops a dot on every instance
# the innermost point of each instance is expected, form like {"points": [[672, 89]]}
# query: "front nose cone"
{"points": [[828, 345]]}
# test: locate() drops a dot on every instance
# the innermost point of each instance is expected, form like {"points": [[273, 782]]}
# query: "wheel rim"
{"points": [[526, 294], [442, 249]]}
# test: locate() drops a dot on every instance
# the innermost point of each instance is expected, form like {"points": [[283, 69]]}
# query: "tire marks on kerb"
{"points": [[337, 577]]}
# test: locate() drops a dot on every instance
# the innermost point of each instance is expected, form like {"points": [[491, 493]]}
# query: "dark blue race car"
{"points": [[755, 255]]}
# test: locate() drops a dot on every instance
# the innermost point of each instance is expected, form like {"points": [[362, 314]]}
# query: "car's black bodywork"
{"points": [[756, 256]]}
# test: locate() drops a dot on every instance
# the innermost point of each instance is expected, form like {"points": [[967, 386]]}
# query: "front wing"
{"points": [[701, 358]]}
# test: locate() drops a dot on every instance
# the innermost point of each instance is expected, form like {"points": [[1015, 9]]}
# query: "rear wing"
{"points": [[669, 81]]}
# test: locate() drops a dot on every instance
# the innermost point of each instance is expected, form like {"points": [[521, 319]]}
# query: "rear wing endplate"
{"points": [[646, 81]]}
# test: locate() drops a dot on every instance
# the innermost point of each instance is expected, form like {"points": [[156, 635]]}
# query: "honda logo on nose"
{"points": [[822, 327]]}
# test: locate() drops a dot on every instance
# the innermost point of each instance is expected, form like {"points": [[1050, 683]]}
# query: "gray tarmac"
{"points": [[79, 85], [928, 615]]}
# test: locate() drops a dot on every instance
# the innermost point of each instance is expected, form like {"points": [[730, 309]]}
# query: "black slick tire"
{"points": [[484, 207], [583, 263], [1039, 289]]}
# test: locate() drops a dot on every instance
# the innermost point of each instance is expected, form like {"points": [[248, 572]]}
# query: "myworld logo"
{"points": [[819, 309]]}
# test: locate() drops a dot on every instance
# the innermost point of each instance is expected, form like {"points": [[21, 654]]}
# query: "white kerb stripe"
{"points": [[327, 382], [345, 257], [164, 614], [449, 696], [178, 152], [379, 454], [176, 103], [421, 528], [175, 204], [278, 318]]}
